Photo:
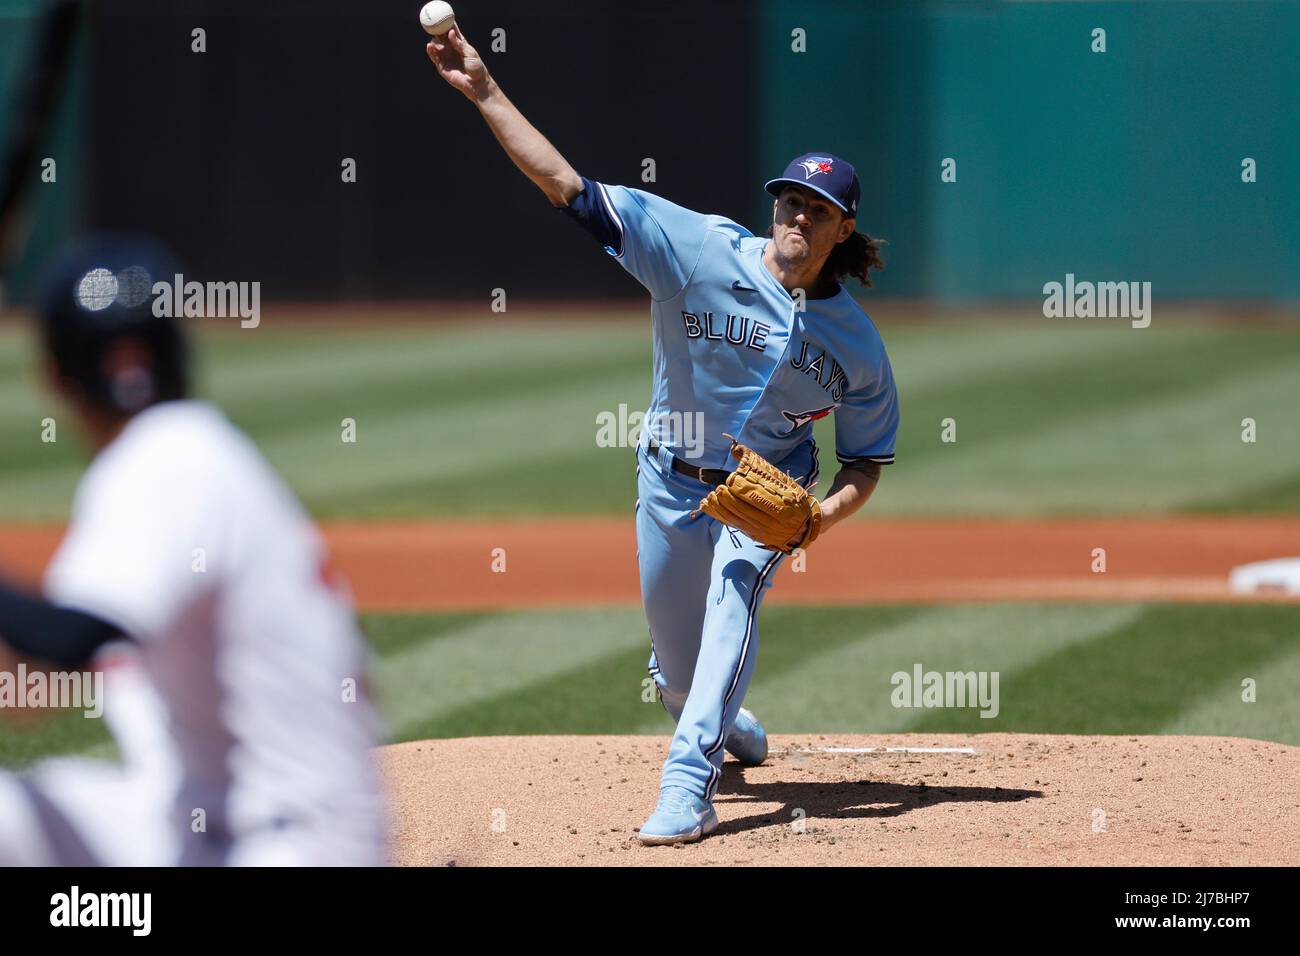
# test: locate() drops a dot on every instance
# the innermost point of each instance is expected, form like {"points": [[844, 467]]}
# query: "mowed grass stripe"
{"points": [[495, 658], [401, 447], [846, 687], [1138, 678], [602, 695], [431, 396], [607, 695], [486, 402], [357, 377], [262, 362], [44, 494], [1065, 374], [389, 634], [1053, 418], [264, 368], [52, 734], [949, 360], [69, 732], [557, 484], [1154, 457], [1273, 715], [1063, 669], [269, 360], [940, 358], [1262, 497], [37, 477]]}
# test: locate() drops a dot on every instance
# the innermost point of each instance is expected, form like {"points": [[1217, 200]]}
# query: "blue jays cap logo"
{"points": [[823, 173], [815, 165]]}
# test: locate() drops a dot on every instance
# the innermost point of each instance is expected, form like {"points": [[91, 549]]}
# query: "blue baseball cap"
{"points": [[823, 173]]}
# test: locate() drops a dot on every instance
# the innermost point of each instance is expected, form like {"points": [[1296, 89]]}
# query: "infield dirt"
{"points": [[457, 565], [1019, 800]]}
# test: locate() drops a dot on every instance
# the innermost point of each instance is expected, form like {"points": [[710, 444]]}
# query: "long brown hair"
{"points": [[856, 256]]}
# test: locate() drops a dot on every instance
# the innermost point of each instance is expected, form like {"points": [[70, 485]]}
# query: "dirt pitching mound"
{"points": [[825, 799]]}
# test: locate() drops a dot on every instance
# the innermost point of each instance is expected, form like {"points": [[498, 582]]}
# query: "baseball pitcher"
{"points": [[754, 338]]}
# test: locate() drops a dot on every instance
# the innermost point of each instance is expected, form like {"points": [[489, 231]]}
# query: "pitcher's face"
{"points": [[806, 226]]}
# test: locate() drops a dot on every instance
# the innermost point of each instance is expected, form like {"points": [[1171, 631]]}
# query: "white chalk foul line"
{"points": [[886, 750]]}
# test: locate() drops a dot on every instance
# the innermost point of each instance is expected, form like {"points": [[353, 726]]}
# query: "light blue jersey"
{"points": [[730, 343], [732, 354]]}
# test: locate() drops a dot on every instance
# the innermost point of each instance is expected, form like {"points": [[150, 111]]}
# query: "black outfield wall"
{"points": [[235, 155]]}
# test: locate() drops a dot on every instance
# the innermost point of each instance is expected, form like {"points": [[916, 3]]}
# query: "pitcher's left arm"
{"points": [[850, 490]]}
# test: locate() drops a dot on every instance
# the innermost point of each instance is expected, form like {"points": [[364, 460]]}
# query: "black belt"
{"points": [[710, 476]]}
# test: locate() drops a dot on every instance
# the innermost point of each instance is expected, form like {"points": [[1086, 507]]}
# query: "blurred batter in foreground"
{"points": [[236, 684]]}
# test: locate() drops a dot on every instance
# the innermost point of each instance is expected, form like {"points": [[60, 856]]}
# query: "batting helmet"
{"points": [[98, 325]]}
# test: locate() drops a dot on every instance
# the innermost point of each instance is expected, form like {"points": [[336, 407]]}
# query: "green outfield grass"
{"points": [[1052, 417], [1063, 668]]}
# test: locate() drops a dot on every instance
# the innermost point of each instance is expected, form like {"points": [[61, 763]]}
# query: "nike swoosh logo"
{"points": [[742, 288]]}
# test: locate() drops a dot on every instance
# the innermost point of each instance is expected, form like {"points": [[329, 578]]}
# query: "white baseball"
{"points": [[437, 17]]}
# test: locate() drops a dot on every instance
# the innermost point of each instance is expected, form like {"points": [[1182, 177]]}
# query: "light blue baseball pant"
{"points": [[702, 584]]}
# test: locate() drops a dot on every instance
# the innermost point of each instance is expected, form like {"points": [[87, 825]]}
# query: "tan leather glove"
{"points": [[765, 503]]}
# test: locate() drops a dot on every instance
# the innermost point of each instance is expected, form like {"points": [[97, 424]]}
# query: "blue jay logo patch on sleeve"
{"points": [[798, 419]]}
